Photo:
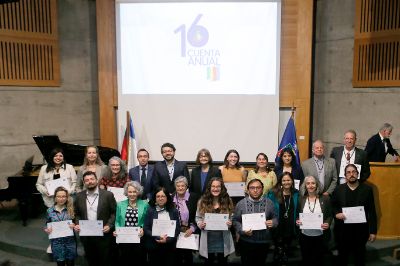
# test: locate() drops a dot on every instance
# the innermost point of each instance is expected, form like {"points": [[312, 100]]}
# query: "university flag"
{"points": [[289, 141], [129, 147]]}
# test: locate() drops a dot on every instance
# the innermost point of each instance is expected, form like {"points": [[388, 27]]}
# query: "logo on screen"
{"points": [[192, 48]]}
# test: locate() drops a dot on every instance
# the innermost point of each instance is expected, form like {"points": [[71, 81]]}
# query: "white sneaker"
{"points": [[48, 250]]}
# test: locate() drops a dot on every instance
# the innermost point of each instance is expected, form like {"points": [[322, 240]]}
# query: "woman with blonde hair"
{"points": [[92, 162]]}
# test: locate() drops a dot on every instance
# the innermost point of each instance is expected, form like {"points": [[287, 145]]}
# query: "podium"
{"points": [[385, 181]]}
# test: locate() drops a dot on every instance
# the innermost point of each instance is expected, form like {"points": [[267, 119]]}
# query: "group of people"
{"points": [[167, 191]]}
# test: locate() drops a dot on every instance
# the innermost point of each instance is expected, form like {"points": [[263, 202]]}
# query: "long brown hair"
{"points": [[206, 201], [68, 203], [268, 169], [278, 190]]}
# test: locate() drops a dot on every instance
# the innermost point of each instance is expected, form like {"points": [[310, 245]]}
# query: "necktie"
{"points": [[143, 177], [348, 156]]}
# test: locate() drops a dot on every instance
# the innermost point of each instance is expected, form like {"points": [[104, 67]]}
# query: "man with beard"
{"points": [[352, 237], [95, 204], [165, 172], [254, 244]]}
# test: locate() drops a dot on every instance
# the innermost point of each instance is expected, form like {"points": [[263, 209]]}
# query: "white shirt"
{"points": [[344, 163], [317, 209], [92, 202]]}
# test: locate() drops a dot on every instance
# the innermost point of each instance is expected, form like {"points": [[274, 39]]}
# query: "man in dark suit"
{"points": [[352, 237], [143, 173], [322, 168], [95, 204], [165, 172], [378, 146], [350, 154]]}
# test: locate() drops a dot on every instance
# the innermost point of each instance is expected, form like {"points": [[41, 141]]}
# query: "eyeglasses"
{"points": [[255, 188]]}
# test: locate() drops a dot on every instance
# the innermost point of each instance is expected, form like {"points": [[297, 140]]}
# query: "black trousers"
{"points": [[184, 256], [312, 249], [97, 249], [351, 245], [221, 260], [163, 254], [253, 253], [132, 254]]}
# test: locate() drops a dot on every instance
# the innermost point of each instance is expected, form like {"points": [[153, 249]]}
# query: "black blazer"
{"points": [[376, 149], [161, 176], [297, 172], [360, 158], [134, 175], [105, 209], [195, 180], [365, 198]]}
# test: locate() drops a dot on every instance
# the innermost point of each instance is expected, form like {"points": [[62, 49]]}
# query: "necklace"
{"points": [[132, 205], [320, 165], [309, 205], [287, 206]]}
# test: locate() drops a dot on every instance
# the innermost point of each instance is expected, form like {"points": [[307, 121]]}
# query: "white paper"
{"points": [[60, 229], [311, 220], [190, 242], [235, 189], [51, 185], [297, 184], [127, 235], [343, 165], [91, 228], [216, 221], [118, 193], [354, 215], [163, 227], [253, 221]]}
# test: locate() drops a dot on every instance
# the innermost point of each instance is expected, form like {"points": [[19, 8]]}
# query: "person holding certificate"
{"points": [[130, 213], [161, 245], [95, 218], [285, 199], [254, 217], [263, 172], [215, 244], [355, 217], [91, 162], [315, 216], [202, 174], [63, 247], [115, 174], [55, 169], [186, 203]]}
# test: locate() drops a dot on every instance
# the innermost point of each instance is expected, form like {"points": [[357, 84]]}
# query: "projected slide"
{"points": [[198, 48]]}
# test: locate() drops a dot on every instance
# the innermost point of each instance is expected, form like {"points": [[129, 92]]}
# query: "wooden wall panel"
{"points": [[29, 53], [295, 79], [377, 43]]}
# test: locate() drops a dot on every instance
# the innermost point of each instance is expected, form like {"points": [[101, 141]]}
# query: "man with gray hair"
{"points": [[378, 146], [322, 168], [350, 154]]}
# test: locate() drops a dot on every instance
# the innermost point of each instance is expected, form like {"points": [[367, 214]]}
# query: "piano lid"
{"points": [[73, 153]]}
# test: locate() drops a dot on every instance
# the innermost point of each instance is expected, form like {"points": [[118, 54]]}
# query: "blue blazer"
{"points": [[149, 187], [161, 175]]}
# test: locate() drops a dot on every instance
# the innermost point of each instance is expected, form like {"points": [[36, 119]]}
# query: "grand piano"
{"points": [[22, 186]]}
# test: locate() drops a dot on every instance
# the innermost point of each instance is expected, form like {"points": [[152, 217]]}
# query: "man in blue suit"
{"points": [[165, 172], [143, 173]]}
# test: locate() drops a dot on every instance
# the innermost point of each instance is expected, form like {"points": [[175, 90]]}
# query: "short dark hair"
{"points": [[350, 165], [254, 180], [148, 154], [168, 145], [89, 173], [169, 205]]}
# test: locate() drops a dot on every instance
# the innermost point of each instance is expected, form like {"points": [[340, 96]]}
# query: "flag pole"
{"points": [[128, 134], [293, 110]]}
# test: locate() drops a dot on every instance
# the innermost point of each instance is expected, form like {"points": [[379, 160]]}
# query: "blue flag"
{"points": [[289, 141]]}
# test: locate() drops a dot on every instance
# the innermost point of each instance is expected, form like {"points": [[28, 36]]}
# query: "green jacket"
{"points": [[142, 206]]}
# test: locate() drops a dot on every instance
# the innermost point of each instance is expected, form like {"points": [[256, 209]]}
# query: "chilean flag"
{"points": [[129, 147]]}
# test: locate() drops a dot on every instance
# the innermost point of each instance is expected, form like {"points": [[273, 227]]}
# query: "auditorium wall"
{"points": [[69, 111], [337, 106]]}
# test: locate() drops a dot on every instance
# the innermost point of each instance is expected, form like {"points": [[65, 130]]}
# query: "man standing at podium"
{"points": [[350, 154], [378, 146]]}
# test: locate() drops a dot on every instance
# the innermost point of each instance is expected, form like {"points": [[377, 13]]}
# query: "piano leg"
{"points": [[24, 210]]}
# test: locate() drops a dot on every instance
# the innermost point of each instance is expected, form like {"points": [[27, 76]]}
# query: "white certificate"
{"points": [[253, 221], [216, 221], [190, 242], [343, 165], [127, 235], [297, 184], [354, 215], [163, 227], [235, 189], [311, 220], [91, 228], [118, 193], [60, 229], [51, 185]]}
